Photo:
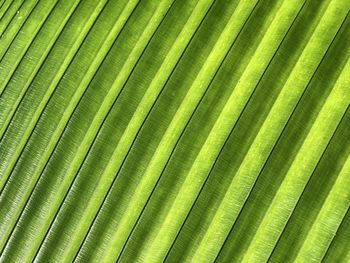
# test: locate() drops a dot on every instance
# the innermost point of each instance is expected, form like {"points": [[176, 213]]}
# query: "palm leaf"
{"points": [[151, 131]]}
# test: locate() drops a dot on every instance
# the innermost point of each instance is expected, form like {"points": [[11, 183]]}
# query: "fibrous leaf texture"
{"points": [[174, 131]]}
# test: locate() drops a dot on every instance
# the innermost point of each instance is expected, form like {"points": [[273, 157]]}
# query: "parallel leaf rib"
{"points": [[256, 156], [283, 154], [48, 95], [101, 115], [165, 148], [17, 45], [8, 107], [329, 219], [174, 131], [301, 169]]}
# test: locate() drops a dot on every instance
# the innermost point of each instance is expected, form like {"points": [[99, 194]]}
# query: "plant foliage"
{"points": [[174, 130]]}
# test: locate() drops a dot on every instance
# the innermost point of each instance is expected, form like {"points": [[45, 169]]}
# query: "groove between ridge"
{"points": [[92, 19], [106, 107], [2, 30], [335, 103], [43, 58], [303, 165], [233, 128], [172, 69], [50, 90], [280, 136], [255, 157]]}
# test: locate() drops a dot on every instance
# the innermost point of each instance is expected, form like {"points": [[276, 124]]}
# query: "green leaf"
{"points": [[177, 131]]}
